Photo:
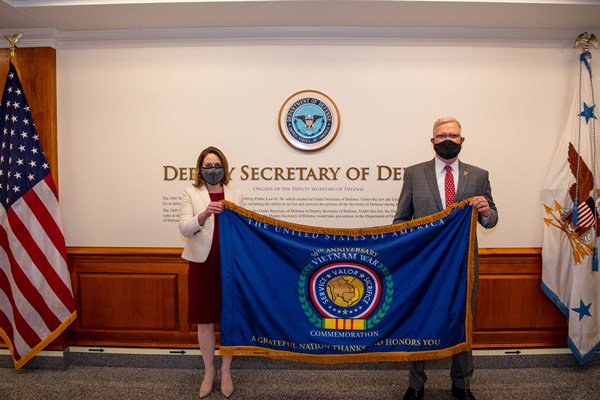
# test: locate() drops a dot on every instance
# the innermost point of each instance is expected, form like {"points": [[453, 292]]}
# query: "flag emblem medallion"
{"points": [[345, 295], [343, 290]]}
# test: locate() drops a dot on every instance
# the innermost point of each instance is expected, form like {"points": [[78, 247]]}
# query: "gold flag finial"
{"points": [[586, 39], [13, 42]]}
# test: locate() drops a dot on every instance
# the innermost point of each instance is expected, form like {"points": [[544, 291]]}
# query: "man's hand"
{"points": [[481, 204]]}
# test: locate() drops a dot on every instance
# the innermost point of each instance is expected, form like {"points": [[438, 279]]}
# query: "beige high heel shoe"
{"points": [[206, 387], [227, 387]]}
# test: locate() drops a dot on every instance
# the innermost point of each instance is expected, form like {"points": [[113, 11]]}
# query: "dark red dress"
{"points": [[204, 281]]}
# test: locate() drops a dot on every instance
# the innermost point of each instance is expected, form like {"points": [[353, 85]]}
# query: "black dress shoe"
{"points": [[413, 394], [462, 394]]}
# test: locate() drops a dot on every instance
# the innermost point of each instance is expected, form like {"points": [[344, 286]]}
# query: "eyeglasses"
{"points": [[212, 166], [444, 136]]}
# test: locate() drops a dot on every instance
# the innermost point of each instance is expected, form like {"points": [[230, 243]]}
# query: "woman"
{"points": [[198, 221]]}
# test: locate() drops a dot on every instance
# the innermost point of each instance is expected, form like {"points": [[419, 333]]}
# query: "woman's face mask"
{"points": [[213, 174]]}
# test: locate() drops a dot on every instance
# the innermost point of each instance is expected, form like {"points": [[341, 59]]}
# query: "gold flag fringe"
{"points": [[378, 230], [471, 279], [344, 358], [40, 346], [378, 356]]}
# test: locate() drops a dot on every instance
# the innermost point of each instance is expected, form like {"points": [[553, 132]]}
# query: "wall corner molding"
{"points": [[276, 36]]}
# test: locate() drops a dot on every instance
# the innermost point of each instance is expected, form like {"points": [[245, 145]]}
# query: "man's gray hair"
{"points": [[445, 120]]}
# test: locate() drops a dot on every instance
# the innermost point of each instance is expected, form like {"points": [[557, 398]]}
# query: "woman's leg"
{"points": [[226, 381], [206, 340]]}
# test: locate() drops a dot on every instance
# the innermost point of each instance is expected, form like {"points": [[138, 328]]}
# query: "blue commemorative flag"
{"points": [[392, 293]]}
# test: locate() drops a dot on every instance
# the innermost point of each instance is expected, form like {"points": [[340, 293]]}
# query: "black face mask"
{"points": [[213, 175], [447, 149]]}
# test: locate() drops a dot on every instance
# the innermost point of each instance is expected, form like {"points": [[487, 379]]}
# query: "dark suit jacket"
{"points": [[420, 197], [420, 194]]}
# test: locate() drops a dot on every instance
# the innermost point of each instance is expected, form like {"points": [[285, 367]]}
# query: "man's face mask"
{"points": [[447, 149]]}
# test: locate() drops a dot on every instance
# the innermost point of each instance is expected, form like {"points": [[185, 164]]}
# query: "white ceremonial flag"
{"points": [[570, 276]]}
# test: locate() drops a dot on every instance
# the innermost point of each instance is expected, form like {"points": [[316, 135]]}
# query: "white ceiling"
{"points": [[69, 18]]}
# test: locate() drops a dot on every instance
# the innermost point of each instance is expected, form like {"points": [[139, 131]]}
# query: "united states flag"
{"points": [[36, 299]]}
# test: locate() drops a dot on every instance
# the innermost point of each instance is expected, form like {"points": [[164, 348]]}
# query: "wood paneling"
{"points": [[512, 311], [130, 297], [138, 297], [135, 301], [514, 304]]}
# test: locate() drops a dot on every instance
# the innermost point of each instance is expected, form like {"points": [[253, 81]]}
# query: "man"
{"points": [[429, 188]]}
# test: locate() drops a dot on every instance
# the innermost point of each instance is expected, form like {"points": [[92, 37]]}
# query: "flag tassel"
{"points": [[575, 217], [595, 260]]}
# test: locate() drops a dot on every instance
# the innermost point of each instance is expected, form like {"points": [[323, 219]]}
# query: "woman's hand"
{"points": [[214, 207]]}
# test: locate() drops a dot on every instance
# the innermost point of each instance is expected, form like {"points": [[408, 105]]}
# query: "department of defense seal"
{"points": [[309, 120]]}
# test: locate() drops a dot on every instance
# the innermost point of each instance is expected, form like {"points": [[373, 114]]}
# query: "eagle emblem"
{"points": [[578, 230], [309, 120], [585, 40]]}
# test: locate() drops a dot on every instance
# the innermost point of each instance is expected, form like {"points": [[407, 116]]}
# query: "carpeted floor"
{"points": [[105, 382]]}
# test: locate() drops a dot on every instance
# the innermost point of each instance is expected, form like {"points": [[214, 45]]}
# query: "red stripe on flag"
{"points": [[585, 215], [5, 323], [586, 212], [39, 259], [586, 223], [46, 220], [27, 289], [8, 329], [26, 332], [50, 182]]}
